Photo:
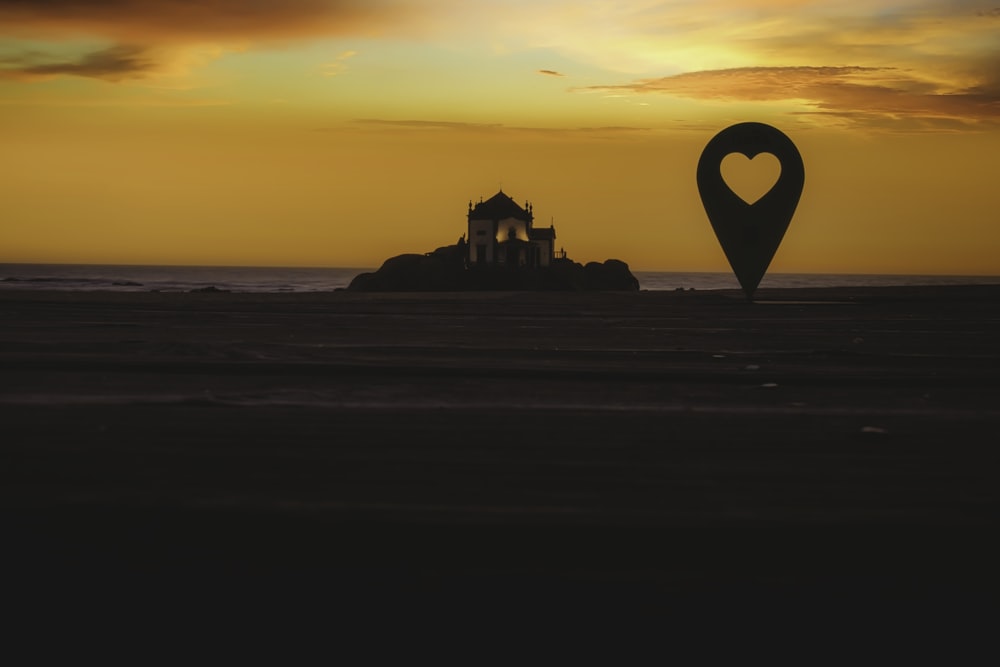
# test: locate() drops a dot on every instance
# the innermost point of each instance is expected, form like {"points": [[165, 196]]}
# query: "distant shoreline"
{"points": [[118, 278], [857, 292]]}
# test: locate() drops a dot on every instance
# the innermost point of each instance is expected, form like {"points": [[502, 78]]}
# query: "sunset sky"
{"points": [[341, 132]]}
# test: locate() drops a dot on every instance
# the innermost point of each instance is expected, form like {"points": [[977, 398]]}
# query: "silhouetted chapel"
{"points": [[501, 233]]}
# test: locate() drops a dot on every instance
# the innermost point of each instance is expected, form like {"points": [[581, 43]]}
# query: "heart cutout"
{"points": [[750, 179]]}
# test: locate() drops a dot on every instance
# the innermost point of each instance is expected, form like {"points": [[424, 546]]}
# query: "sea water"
{"points": [[667, 280], [122, 278], [82, 277]]}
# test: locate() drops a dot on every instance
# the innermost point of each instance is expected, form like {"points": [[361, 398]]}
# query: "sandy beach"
{"points": [[653, 459]]}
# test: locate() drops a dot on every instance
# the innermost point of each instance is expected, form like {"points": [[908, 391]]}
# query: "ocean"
{"points": [[84, 277]]}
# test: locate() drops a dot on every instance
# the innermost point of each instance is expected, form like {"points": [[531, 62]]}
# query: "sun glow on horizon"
{"points": [[320, 133]]}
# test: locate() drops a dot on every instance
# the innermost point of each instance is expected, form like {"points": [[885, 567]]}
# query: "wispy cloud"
{"points": [[550, 72], [429, 124], [338, 64], [447, 125]]}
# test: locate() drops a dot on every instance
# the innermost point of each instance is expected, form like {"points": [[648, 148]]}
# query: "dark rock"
{"points": [[441, 270], [444, 270], [613, 274]]}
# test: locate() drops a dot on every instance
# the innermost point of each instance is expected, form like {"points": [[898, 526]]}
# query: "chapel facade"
{"points": [[501, 233]]}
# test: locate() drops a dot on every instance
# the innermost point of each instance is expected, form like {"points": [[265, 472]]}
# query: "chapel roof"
{"points": [[498, 207]]}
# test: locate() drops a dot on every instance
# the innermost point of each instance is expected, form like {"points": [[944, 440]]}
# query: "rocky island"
{"points": [[504, 251]]}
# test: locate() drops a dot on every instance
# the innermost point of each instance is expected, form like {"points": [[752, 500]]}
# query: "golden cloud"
{"points": [[851, 92]]}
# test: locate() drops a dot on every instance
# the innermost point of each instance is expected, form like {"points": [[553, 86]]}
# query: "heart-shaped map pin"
{"points": [[750, 233]]}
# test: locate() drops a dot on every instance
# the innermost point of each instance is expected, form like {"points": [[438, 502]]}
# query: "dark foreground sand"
{"points": [[663, 465]]}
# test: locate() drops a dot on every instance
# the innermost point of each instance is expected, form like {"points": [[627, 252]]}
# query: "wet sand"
{"points": [[661, 463]]}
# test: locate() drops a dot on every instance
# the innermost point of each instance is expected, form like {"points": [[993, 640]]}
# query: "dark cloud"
{"points": [[550, 72], [135, 21], [113, 64], [158, 27], [848, 92]]}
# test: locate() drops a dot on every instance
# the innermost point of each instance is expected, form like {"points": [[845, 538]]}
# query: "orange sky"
{"points": [[339, 133]]}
